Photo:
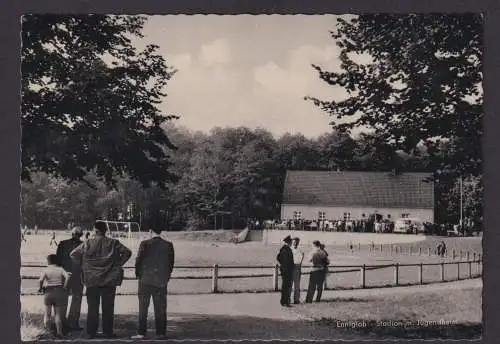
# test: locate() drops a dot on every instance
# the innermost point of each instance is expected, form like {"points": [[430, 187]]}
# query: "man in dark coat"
{"points": [[102, 261], [75, 284], [153, 268], [285, 260]]}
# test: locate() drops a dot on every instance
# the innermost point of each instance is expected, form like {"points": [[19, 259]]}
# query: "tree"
{"points": [[90, 99], [336, 151], [412, 79]]}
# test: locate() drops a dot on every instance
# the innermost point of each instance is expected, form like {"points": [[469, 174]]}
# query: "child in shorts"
{"points": [[53, 283]]}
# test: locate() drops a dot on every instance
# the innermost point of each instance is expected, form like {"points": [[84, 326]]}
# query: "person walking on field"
{"points": [[298, 257], [153, 268], [102, 261], [75, 284], [285, 260], [317, 277], [53, 239]]}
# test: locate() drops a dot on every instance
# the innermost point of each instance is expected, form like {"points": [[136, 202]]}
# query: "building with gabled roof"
{"points": [[337, 195]]}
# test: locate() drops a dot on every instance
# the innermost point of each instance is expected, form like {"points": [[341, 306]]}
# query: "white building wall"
{"points": [[356, 213]]}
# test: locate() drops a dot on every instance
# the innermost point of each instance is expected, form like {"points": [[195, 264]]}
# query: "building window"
{"points": [[347, 216], [405, 215], [321, 215], [297, 215]]}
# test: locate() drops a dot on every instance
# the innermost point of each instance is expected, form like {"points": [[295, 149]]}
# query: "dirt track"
{"points": [[259, 316]]}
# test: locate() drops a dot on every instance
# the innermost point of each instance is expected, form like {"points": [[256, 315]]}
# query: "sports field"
{"points": [[194, 313], [196, 255]]}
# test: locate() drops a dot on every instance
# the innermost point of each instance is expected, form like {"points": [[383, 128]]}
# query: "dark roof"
{"points": [[370, 189]]}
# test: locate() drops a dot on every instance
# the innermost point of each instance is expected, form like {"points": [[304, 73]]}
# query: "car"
{"points": [[408, 226]]}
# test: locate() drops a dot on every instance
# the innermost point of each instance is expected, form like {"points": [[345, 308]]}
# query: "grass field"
{"points": [[454, 314], [196, 249]]}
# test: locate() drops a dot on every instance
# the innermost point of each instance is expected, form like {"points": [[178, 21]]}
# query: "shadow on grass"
{"points": [[199, 327]]}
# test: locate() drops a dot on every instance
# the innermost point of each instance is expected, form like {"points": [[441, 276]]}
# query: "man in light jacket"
{"points": [[102, 261], [153, 268], [298, 257]]}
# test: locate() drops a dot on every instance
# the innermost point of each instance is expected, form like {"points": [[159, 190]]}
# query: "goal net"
{"points": [[130, 231]]}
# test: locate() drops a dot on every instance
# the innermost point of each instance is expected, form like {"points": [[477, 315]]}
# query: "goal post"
{"points": [[123, 229]]}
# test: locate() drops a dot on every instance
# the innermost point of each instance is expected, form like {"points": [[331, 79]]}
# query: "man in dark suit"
{"points": [[75, 284], [102, 261], [285, 260], [153, 268]]}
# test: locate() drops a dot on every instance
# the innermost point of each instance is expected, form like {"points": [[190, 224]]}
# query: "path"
{"points": [[249, 316]]}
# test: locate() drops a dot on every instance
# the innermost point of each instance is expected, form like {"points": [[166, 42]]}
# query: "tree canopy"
{"points": [[90, 99], [237, 171], [412, 79]]}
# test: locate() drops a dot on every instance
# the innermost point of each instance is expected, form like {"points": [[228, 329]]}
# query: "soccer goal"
{"points": [[124, 229]]}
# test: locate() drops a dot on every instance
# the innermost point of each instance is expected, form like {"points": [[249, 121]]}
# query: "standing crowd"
{"points": [[290, 259], [96, 264]]}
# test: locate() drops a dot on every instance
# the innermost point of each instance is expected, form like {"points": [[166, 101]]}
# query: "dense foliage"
{"points": [[89, 99], [234, 170], [413, 79]]}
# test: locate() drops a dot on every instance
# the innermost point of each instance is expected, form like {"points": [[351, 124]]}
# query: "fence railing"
{"points": [[215, 276], [413, 250]]}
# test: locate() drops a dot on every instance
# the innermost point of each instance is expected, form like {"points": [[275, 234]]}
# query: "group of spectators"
{"points": [[290, 259], [370, 225], [96, 264], [322, 225]]}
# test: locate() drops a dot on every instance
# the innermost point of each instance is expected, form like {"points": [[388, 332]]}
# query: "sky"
{"points": [[247, 70]]}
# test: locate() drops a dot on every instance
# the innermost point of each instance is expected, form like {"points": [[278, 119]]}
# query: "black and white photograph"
{"points": [[260, 177]]}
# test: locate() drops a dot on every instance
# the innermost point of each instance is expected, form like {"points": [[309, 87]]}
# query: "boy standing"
{"points": [[53, 283]]}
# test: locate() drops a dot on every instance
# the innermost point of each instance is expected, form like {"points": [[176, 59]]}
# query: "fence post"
{"points": [[479, 263], [396, 274], [363, 276], [392, 249], [410, 250], [421, 273], [470, 268], [215, 275], [458, 270], [381, 248], [442, 272], [275, 277], [429, 251], [420, 251], [468, 255], [359, 246], [453, 253]]}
